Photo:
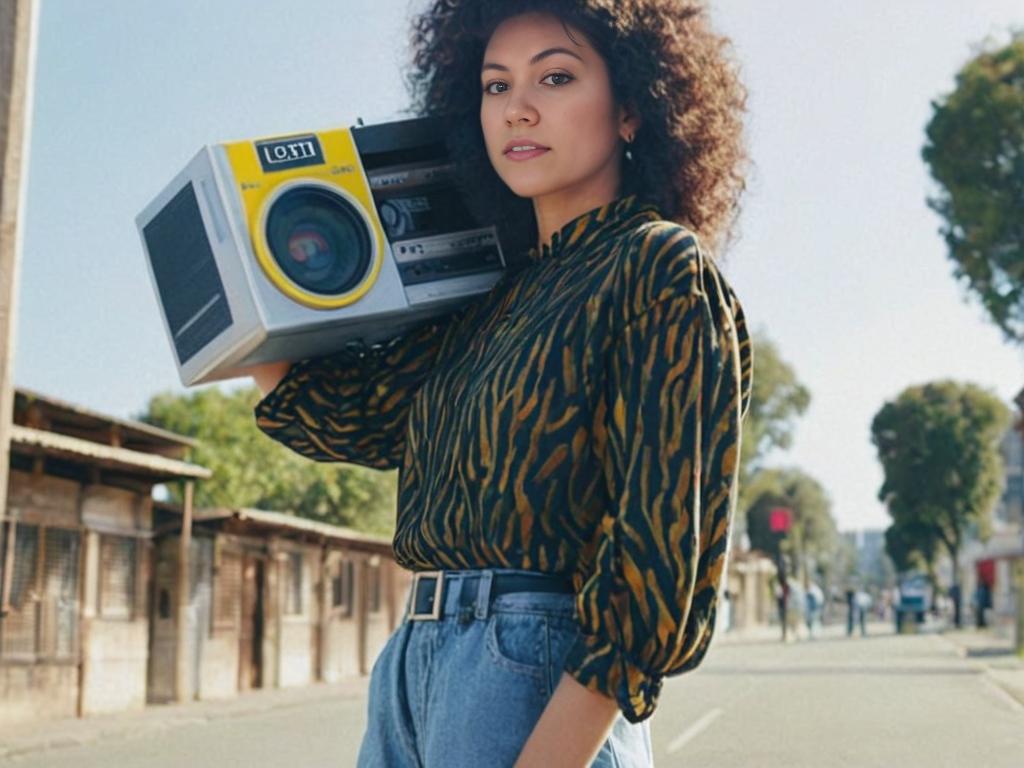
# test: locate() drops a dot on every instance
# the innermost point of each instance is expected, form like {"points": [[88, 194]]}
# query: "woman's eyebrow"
{"points": [[543, 54]]}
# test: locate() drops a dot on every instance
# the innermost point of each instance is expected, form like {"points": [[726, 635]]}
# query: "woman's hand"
{"points": [[268, 375]]}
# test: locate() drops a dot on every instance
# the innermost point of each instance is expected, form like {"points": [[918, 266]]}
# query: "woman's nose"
{"points": [[519, 111]]}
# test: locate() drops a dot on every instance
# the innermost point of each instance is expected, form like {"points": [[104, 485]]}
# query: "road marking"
{"points": [[1011, 702], [682, 739]]}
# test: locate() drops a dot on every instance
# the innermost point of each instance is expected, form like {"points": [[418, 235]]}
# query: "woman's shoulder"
{"points": [[663, 260], [660, 260]]}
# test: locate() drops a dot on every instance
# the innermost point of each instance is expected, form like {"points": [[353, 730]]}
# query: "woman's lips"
{"points": [[524, 154]]}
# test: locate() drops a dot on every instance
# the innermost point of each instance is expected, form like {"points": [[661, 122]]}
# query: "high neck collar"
{"points": [[595, 225]]}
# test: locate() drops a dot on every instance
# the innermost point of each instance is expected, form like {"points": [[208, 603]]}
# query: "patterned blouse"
{"points": [[581, 419]]}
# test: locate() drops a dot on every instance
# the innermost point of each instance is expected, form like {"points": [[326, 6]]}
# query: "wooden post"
{"points": [[181, 656], [277, 564], [362, 613], [1017, 566], [18, 22], [323, 614], [7, 574], [1018, 574]]}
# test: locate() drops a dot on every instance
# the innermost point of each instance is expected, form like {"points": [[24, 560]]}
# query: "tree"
{"points": [[938, 444], [251, 470], [777, 399], [975, 151], [912, 546], [813, 537]]}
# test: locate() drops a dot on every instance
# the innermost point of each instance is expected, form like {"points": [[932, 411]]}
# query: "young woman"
{"points": [[568, 445]]}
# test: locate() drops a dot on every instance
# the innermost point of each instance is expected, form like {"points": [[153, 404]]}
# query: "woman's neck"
{"points": [[554, 211]]}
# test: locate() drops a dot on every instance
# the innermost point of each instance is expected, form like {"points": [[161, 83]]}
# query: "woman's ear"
{"points": [[629, 122]]}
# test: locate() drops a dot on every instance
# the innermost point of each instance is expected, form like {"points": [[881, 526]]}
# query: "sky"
{"points": [[839, 260]]}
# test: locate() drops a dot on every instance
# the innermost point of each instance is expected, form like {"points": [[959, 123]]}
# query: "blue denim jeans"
{"points": [[466, 690]]}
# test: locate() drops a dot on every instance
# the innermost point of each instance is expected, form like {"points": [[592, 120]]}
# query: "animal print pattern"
{"points": [[582, 419]]}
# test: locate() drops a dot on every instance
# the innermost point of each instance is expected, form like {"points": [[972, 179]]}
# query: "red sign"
{"points": [[780, 519], [987, 572]]}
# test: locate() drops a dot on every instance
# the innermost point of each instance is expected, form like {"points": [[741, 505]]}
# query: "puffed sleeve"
{"points": [[352, 405], [667, 432]]}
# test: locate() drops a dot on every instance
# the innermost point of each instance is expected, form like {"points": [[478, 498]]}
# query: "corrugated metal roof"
{"points": [[313, 526], [52, 442], [284, 520], [139, 427]]}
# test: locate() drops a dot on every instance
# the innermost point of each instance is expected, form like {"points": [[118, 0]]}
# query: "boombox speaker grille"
{"points": [[187, 278]]}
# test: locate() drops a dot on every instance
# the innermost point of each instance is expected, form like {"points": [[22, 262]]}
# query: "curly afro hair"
{"points": [[688, 156]]}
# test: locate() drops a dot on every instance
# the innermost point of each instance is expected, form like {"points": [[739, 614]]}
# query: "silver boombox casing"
{"points": [[230, 298]]}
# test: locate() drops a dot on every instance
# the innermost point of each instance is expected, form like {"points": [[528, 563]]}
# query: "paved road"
{"points": [[879, 701], [884, 700]]}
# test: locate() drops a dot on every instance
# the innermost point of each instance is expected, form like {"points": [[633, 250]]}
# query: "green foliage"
{"points": [[975, 151], [912, 546], [939, 448], [251, 470], [813, 538], [777, 399]]}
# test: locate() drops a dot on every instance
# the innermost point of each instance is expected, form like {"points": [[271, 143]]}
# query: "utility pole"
{"points": [[183, 688], [18, 23], [1018, 562]]}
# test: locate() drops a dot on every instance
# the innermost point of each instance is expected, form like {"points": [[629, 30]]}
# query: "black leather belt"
{"points": [[429, 588]]}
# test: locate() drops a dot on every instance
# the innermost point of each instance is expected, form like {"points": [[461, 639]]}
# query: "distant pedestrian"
{"points": [[781, 588], [982, 601], [814, 598], [884, 602], [850, 595], [862, 602], [954, 596]]}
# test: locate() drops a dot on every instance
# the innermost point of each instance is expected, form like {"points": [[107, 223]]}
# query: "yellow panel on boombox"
{"points": [[340, 172]]}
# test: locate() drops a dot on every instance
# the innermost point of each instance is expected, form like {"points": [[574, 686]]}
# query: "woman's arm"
{"points": [[350, 405], [268, 375], [573, 726]]}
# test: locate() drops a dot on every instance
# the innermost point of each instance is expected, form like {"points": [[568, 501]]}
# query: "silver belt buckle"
{"points": [[435, 612]]}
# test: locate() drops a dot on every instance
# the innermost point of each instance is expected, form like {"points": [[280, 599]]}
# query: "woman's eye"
{"points": [[564, 78], [556, 78]]}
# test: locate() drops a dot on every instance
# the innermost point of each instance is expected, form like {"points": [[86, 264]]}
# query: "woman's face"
{"points": [[542, 90]]}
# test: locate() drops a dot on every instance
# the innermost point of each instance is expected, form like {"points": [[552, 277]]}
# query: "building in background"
{"points": [[89, 573], [75, 557], [274, 601], [748, 580], [991, 562], [873, 568]]}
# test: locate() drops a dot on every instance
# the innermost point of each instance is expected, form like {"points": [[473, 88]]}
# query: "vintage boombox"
{"points": [[291, 247]]}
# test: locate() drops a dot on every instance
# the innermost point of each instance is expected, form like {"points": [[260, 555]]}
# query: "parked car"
{"points": [[913, 596]]}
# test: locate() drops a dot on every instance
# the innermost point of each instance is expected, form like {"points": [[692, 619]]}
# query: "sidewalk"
{"points": [[759, 633], [772, 633], [996, 655], [38, 736]]}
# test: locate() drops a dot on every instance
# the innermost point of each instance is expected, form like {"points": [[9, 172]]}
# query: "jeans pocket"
{"points": [[518, 642]]}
